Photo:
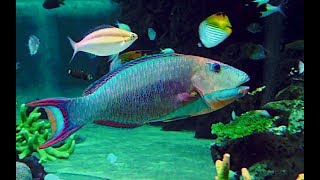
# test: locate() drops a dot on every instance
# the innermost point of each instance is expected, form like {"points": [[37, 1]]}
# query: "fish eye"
{"points": [[215, 67], [132, 35]]}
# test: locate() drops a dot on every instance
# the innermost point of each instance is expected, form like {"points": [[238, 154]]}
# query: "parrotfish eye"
{"points": [[215, 67], [132, 35]]}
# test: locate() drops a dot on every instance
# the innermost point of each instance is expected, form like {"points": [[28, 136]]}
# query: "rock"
{"points": [[293, 91], [37, 169], [23, 171], [291, 113], [258, 147], [279, 131], [260, 171], [296, 119]]}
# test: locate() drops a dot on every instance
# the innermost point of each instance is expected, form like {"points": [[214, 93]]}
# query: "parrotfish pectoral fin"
{"points": [[75, 50], [219, 99], [186, 97], [57, 113], [116, 124]]}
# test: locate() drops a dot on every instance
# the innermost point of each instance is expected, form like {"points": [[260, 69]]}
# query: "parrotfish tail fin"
{"points": [[58, 115], [75, 50]]}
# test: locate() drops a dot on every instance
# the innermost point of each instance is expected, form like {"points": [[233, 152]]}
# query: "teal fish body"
{"points": [[152, 88]]}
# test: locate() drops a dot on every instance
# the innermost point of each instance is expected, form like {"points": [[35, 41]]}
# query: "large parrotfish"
{"points": [[162, 87]]}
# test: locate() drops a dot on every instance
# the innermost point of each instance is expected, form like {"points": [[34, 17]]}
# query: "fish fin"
{"points": [[116, 124], [281, 6], [103, 26], [58, 115], [117, 24], [113, 57], [98, 83], [115, 64], [270, 9], [186, 97], [74, 47], [176, 118]]}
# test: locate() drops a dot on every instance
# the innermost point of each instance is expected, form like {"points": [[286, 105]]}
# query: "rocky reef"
{"points": [[272, 147]]}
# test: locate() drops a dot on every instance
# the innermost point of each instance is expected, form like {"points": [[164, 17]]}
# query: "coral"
{"points": [[23, 171], [245, 174], [300, 176], [244, 125], [223, 169], [31, 132]]}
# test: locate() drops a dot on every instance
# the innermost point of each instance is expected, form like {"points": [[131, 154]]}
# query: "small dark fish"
{"points": [[79, 74], [255, 51], [254, 28], [51, 4]]}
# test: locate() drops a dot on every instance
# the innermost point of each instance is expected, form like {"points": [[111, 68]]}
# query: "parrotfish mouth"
{"points": [[243, 90]]}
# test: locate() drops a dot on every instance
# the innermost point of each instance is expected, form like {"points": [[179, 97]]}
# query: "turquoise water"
{"points": [[142, 153], [149, 152]]}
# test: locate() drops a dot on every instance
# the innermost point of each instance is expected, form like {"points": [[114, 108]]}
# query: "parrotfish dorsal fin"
{"points": [[103, 26], [90, 89]]}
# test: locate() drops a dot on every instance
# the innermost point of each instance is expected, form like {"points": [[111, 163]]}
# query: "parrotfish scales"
{"points": [[160, 87]]}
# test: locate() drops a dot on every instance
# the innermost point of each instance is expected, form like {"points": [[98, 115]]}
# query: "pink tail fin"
{"points": [[57, 113]]}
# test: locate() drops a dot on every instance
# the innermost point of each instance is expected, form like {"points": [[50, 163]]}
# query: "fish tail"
{"points": [[75, 50], [58, 115], [281, 6]]}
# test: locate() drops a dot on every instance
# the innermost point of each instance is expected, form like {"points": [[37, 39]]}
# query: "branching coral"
{"points": [[223, 168], [300, 176], [244, 125], [31, 132]]}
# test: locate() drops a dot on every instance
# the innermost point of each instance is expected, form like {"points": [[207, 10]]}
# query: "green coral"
{"points": [[31, 132], [244, 125]]}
